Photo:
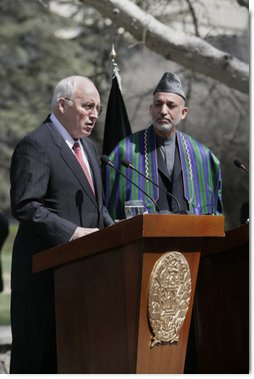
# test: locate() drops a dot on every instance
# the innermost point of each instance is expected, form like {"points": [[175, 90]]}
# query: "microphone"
{"points": [[240, 165], [128, 164], [104, 159]]}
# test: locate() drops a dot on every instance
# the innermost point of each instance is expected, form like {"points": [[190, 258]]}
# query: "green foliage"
{"points": [[34, 55], [5, 309], [32, 60]]}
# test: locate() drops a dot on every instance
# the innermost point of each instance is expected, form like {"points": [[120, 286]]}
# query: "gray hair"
{"points": [[65, 88]]}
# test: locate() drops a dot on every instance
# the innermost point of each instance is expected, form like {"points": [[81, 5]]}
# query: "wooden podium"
{"points": [[221, 308], [101, 293]]}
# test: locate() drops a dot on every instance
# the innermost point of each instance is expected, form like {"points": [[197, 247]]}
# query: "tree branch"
{"points": [[189, 51], [243, 3]]}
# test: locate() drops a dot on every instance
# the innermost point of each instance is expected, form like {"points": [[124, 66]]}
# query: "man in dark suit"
{"points": [[57, 196]]}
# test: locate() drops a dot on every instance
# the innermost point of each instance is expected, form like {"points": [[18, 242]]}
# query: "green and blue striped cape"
{"points": [[201, 173]]}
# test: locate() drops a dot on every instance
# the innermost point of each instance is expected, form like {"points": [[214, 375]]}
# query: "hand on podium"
{"points": [[81, 232]]}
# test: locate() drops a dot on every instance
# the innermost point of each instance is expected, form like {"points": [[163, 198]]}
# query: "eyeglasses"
{"points": [[88, 107]]}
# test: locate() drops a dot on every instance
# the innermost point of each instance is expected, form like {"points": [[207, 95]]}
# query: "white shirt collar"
{"points": [[66, 136]]}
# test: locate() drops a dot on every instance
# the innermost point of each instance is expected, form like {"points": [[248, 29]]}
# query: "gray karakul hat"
{"points": [[170, 83]]}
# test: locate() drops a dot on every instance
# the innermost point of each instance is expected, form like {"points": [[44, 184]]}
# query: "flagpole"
{"points": [[115, 68], [117, 125], [113, 56]]}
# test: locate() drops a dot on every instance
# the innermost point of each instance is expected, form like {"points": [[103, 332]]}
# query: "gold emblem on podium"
{"points": [[169, 297]]}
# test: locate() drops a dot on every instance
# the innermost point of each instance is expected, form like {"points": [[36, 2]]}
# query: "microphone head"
{"points": [[238, 163], [105, 159], [125, 163]]}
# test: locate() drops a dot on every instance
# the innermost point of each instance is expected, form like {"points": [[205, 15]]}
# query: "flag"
{"points": [[117, 125]]}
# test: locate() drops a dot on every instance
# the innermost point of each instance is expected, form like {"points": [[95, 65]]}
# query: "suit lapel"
{"points": [[71, 162], [163, 168], [177, 165], [162, 164], [94, 167]]}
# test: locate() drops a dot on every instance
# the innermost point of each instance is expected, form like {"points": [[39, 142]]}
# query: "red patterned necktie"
{"points": [[77, 151]]}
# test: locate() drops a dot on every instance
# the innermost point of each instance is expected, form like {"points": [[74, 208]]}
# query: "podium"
{"points": [[103, 288], [221, 307]]}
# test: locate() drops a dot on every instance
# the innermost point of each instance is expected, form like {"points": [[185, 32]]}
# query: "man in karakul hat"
{"points": [[178, 163]]}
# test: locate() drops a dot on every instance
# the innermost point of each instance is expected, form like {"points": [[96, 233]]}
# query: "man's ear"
{"points": [[185, 110], [61, 104]]}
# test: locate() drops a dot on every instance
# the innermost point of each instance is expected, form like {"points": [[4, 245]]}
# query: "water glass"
{"points": [[133, 208]]}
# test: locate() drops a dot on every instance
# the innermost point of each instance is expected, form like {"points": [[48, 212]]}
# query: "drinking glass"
{"points": [[133, 208]]}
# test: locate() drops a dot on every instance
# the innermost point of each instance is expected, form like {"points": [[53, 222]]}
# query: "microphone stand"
{"points": [[127, 164], [106, 160]]}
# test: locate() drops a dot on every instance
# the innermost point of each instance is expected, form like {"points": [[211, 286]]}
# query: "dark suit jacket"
{"points": [[173, 185], [50, 197]]}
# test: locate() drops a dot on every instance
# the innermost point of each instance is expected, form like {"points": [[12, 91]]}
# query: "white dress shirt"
{"points": [[69, 140]]}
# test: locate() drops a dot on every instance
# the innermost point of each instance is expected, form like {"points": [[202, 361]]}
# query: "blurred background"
{"points": [[42, 41]]}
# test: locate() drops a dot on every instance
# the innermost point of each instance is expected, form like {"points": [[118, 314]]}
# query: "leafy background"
{"points": [[43, 41]]}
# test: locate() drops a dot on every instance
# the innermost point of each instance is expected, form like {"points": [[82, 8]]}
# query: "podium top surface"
{"points": [[127, 231]]}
